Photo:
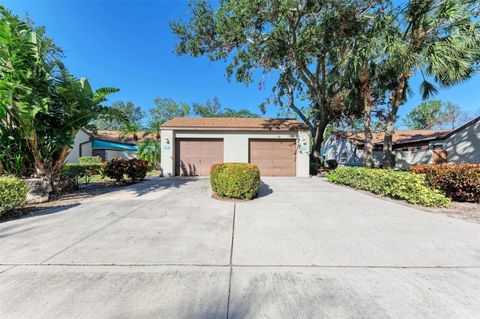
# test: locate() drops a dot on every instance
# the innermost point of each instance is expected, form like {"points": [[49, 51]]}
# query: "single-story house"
{"points": [[280, 147], [105, 144], [411, 147]]}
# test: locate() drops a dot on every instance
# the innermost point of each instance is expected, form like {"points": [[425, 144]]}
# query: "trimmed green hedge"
{"points": [[399, 185], [13, 193], [74, 172], [235, 180]]}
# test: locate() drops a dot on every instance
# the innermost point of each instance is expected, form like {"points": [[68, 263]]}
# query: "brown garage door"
{"points": [[194, 157], [274, 157]]}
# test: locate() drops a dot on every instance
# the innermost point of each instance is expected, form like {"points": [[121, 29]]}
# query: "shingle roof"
{"points": [[399, 137], [230, 123]]}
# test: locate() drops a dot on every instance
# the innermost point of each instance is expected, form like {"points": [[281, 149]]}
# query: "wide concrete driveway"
{"points": [[304, 249]]}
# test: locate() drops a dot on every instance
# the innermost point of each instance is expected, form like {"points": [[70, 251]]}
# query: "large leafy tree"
{"points": [[295, 40], [123, 112], [213, 108], [42, 106], [425, 116], [166, 109], [439, 39], [435, 114]]}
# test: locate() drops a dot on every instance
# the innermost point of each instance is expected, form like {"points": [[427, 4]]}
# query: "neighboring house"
{"points": [[411, 147], [105, 144], [280, 147]]}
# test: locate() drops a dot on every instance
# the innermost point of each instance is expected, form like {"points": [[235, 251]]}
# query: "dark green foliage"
{"points": [[400, 185], [42, 105], [122, 112], [166, 109], [235, 180], [74, 172], [117, 168], [149, 150], [137, 169], [213, 108], [13, 193], [460, 182]]}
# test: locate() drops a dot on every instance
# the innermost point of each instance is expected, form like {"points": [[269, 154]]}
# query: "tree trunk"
{"points": [[317, 139], [366, 95], [395, 100]]}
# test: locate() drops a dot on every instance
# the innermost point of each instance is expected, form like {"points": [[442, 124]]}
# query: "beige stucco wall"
{"points": [[74, 154], [235, 146], [464, 146]]}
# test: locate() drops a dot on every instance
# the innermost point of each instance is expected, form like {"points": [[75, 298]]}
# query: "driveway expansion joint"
{"points": [[231, 259]]}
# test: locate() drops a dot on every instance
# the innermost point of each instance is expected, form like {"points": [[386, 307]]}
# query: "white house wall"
{"points": [[74, 154], [235, 145], [111, 154], [464, 146], [405, 159]]}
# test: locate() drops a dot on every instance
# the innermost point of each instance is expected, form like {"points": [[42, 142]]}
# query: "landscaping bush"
{"points": [[235, 180], [460, 182], [117, 168], [137, 169], [89, 160], [13, 193], [400, 185], [73, 172]]}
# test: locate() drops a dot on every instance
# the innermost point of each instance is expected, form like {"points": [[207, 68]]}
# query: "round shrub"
{"points": [[235, 180], [137, 169], [117, 168], [13, 193]]}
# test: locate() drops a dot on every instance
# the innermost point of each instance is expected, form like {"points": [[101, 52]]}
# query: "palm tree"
{"points": [[154, 128], [130, 128], [436, 38]]}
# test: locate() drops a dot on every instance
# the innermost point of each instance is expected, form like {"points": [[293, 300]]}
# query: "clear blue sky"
{"points": [[129, 45]]}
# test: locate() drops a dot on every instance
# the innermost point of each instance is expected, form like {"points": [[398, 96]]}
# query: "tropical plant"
{"points": [[439, 39], [130, 128], [154, 128], [42, 105], [149, 150]]}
